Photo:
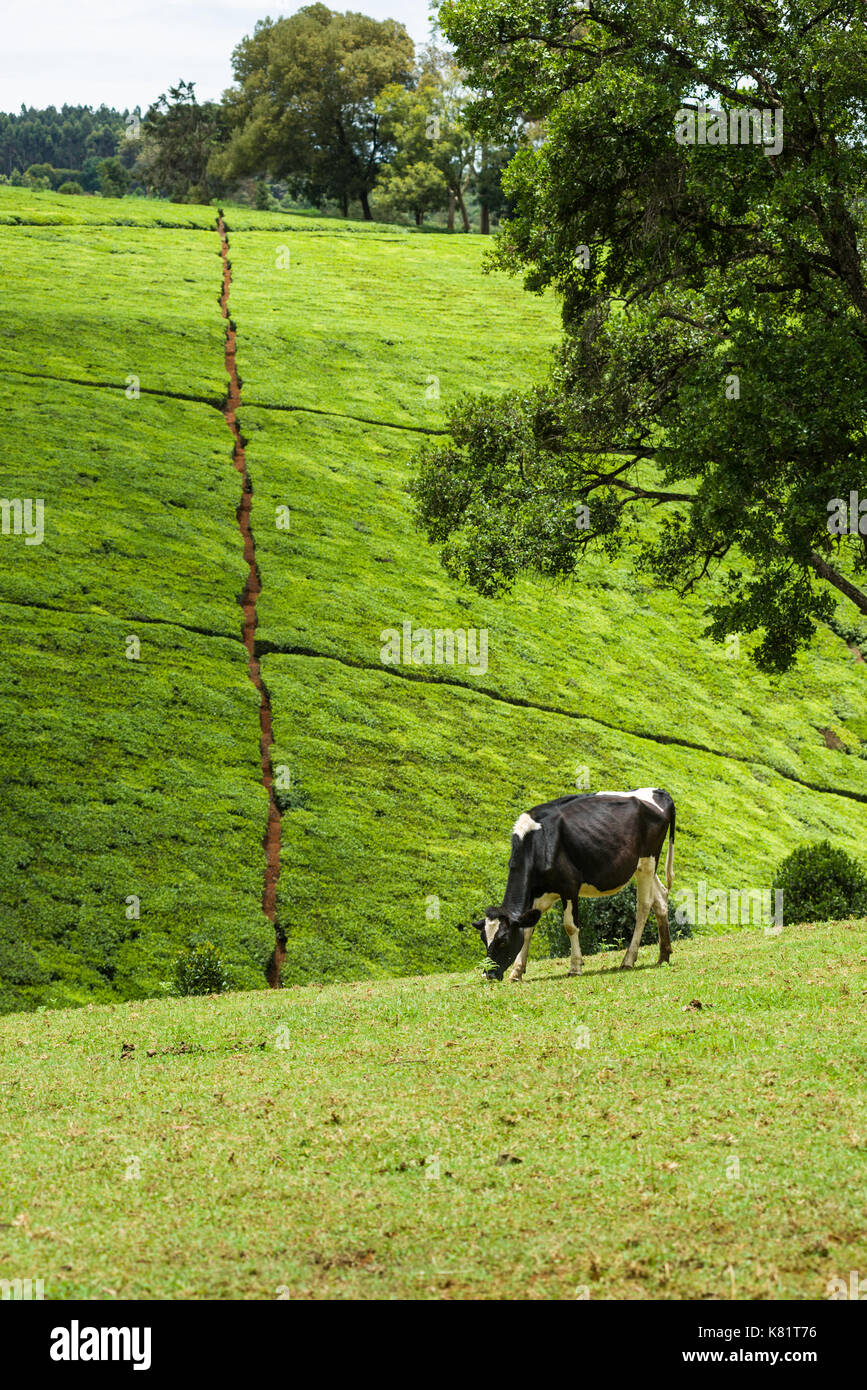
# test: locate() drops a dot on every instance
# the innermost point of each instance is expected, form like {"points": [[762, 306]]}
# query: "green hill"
{"points": [[139, 778], [693, 1132]]}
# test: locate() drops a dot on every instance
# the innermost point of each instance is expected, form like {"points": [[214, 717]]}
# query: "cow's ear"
{"points": [[479, 924], [528, 919]]}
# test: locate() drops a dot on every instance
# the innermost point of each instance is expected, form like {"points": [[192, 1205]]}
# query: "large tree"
{"points": [[714, 361], [180, 138], [426, 124], [305, 109], [411, 180]]}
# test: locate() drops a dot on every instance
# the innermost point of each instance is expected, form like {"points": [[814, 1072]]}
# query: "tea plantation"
{"points": [[131, 806]]}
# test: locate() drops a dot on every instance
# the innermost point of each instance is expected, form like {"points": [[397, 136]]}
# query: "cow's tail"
{"points": [[669, 861]]}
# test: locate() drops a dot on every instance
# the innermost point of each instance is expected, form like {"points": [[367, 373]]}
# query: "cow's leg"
{"points": [[576, 961], [517, 972], [644, 876], [541, 905], [660, 908]]}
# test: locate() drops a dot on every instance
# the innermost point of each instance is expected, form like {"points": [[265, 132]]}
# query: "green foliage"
{"points": [[114, 178], [142, 778], [434, 152], [59, 139], [91, 174], [419, 779], [821, 882], [180, 140], [606, 924], [70, 187], [200, 969], [187, 354], [304, 105], [131, 808], [714, 309]]}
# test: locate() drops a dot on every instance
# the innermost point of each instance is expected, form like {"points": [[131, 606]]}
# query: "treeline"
{"points": [[64, 139], [332, 111]]}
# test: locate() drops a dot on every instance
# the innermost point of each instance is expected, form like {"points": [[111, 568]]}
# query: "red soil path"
{"points": [[252, 589]]}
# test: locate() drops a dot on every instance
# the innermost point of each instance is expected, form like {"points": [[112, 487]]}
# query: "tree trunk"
{"points": [[345, 203], [451, 222], [826, 571], [365, 206], [419, 217], [463, 208], [484, 211]]}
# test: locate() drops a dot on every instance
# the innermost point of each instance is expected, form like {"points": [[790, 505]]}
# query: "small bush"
{"points": [[606, 924], [200, 970], [821, 884], [70, 187]]}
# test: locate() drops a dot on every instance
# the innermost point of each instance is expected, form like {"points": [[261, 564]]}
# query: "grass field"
{"points": [[131, 808], [697, 1131], [398, 785]]}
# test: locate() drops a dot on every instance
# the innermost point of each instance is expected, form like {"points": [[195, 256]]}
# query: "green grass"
{"points": [[124, 778], [385, 327], [405, 793], [400, 791], [140, 499], [397, 795], [26, 207], [101, 304], [607, 647], [445, 1138]]}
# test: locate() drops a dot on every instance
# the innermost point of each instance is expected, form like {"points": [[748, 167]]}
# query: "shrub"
{"points": [[821, 884], [70, 187], [606, 924], [200, 970]]}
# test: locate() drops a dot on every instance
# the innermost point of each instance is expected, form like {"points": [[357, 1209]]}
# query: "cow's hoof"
{"points": [[573, 974], [515, 979], [664, 960], [627, 964]]}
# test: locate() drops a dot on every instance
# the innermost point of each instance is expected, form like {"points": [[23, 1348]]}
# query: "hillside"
{"points": [[696, 1132], [138, 778]]}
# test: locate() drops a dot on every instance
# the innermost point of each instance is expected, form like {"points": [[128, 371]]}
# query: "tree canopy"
{"points": [[180, 140], [304, 106], [713, 367], [434, 152]]}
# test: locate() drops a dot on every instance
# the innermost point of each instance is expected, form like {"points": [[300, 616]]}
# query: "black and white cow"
{"points": [[588, 845]]}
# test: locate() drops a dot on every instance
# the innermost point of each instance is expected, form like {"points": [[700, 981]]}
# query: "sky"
{"points": [[124, 53]]}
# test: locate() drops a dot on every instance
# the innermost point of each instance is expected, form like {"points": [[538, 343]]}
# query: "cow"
{"points": [[587, 845]]}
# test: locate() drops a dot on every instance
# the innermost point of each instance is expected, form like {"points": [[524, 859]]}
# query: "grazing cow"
{"points": [[587, 845]]}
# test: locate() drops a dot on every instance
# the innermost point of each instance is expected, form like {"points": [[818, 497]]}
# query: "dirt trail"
{"points": [[252, 589]]}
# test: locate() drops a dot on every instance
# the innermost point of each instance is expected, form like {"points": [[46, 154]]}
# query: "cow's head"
{"points": [[503, 936]]}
